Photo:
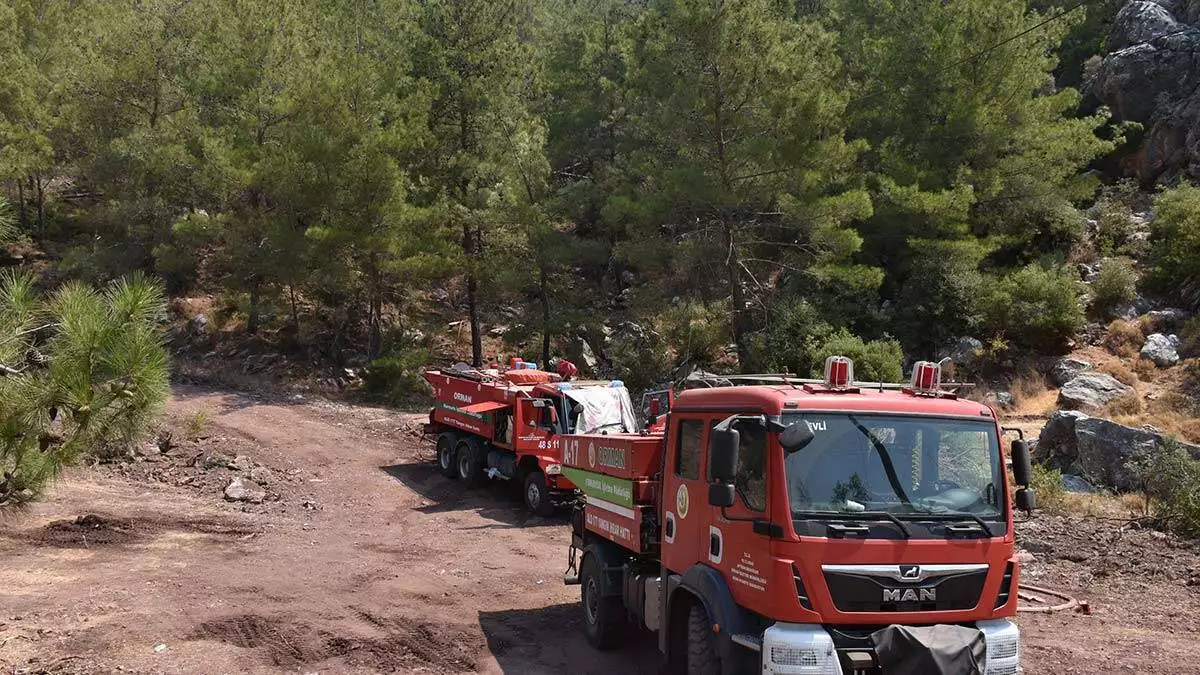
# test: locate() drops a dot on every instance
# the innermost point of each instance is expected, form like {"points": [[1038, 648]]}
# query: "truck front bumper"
{"points": [[808, 649]]}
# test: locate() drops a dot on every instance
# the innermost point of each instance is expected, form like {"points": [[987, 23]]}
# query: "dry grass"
{"points": [[1032, 394], [1145, 369], [1189, 338], [1028, 385], [1103, 505], [1124, 406], [1121, 372], [1172, 402], [1189, 430], [1124, 338]]}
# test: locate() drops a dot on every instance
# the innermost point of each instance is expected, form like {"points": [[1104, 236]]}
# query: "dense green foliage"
{"points": [[1175, 243], [1115, 286], [83, 372], [752, 177]]}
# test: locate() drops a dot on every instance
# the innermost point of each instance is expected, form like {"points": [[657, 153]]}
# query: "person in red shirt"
{"points": [[566, 370]]}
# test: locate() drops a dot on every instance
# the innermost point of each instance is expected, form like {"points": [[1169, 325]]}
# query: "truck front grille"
{"points": [[865, 593]]}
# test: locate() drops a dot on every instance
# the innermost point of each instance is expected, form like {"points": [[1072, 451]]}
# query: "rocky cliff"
{"points": [[1151, 75]]}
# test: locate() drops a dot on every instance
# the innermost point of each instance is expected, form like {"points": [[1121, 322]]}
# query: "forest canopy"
{"points": [[775, 176]]}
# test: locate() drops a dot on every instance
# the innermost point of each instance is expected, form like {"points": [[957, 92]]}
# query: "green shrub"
{"points": [[939, 301], [1048, 485], [8, 226], [1170, 483], [1114, 224], [698, 333], [1035, 307], [874, 361], [792, 335], [1114, 287], [396, 379], [1175, 243]]}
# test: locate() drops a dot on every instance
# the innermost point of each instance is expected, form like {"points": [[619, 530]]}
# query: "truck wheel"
{"points": [[445, 454], [603, 616], [537, 495], [702, 657], [469, 462]]}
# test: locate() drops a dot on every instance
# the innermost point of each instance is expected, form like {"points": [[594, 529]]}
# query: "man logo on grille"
{"points": [[910, 572]]}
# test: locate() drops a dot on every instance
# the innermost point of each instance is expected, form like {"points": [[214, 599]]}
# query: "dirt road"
{"points": [[362, 559]]}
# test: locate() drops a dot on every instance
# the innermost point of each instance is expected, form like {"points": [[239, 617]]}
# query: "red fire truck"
{"points": [[790, 526], [508, 424]]}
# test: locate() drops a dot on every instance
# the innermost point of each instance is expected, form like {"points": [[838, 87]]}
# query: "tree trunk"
{"points": [[544, 297], [252, 320], [295, 314], [41, 202], [737, 298], [24, 218], [470, 248]]}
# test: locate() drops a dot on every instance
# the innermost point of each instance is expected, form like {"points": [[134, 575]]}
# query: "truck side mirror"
{"points": [[552, 416], [796, 437], [723, 454], [1026, 500], [1022, 463], [721, 495]]}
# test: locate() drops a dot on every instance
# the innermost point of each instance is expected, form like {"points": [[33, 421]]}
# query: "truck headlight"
{"points": [[554, 470], [1003, 640], [798, 649]]}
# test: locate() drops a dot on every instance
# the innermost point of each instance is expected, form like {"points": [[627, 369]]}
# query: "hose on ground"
{"points": [[1068, 601]]}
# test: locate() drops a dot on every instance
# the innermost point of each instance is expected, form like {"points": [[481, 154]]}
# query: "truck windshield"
{"points": [[906, 466]]}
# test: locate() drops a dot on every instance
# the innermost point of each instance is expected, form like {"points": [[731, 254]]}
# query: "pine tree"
{"points": [[84, 373], [486, 155], [738, 149]]}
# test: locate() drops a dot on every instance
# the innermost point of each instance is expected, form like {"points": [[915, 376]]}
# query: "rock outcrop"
{"points": [[1091, 391], [1151, 75], [1097, 449], [1163, 350]]}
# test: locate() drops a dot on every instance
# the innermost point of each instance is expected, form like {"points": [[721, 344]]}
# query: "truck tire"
{"points": [[468, 461], [537, 495], [603, 616], [702, 657], [446, 443]]}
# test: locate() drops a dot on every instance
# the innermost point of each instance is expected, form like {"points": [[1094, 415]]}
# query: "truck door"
{"points": [[730, 544], [685, 492]]}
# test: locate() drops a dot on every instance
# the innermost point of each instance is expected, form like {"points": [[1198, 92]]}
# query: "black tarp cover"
{"points": [[930, 650]]}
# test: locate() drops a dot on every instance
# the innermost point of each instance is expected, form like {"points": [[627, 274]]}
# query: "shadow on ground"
{"points": [[496, 500], [551, 640]]}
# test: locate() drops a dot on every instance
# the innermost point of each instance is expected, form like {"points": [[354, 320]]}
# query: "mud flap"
{"points": [[917, 650]]}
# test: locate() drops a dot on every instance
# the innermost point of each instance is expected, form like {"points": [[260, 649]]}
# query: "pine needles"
{"points": [[84, 373]]}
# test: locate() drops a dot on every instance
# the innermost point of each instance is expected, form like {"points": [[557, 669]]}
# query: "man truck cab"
{"points": [[806, 527]]}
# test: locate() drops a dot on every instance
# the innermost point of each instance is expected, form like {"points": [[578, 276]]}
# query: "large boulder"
{"points": [[1065, 370], [965, 351], [1166, 320], [1091, 391], [1162, 350], [1151, 75], [1056, 444], [1106, 448]]}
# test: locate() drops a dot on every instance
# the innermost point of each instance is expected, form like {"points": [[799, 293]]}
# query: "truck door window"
{"points": [[751, 478], [687, 449]]}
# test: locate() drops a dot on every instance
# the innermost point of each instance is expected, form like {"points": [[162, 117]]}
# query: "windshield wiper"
{"points": [[858, 515], [942, 516], [884, 458]]}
